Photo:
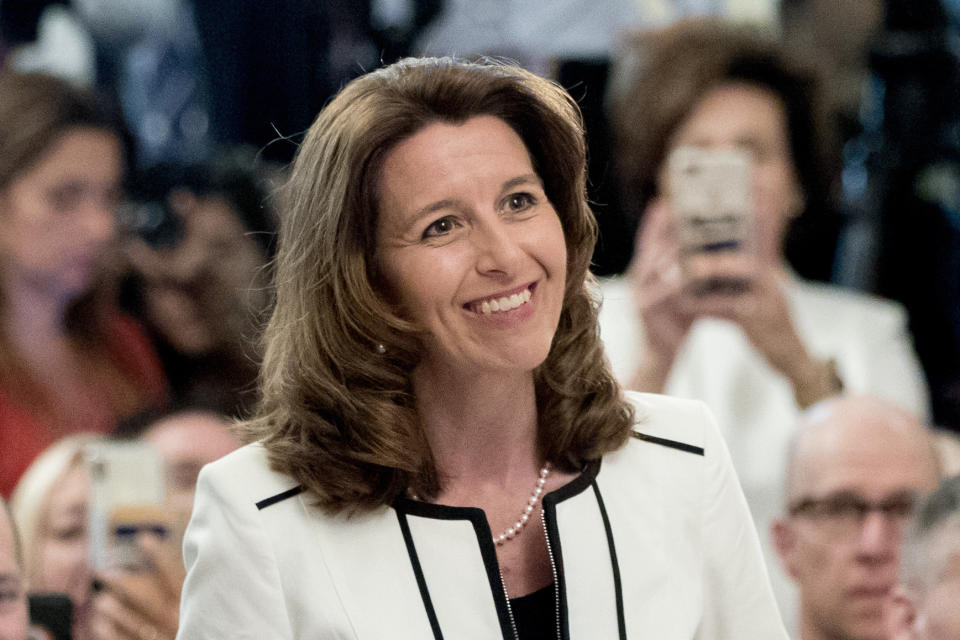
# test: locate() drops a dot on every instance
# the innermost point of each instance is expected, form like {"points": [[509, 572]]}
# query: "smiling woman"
{"points": [[475, 255], [434, 382]]}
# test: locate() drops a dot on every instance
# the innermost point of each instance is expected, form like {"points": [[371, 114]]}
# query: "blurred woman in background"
{"points": [[760, 352], [50, 507], [69, 361]]}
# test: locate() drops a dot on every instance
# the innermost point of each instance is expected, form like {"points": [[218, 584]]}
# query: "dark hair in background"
{"points": [[235, 175], [674, 68], [335, 414]]}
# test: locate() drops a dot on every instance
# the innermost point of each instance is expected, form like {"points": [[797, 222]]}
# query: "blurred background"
{"points": [[217, 93]]}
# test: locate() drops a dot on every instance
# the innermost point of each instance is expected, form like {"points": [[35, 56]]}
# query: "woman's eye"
{"points": [[440, 227], [520, 201], [9, 594], [69, 534]]}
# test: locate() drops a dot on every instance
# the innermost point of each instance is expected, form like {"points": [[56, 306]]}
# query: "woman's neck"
{"points": [[482, 428], [33, 319]]}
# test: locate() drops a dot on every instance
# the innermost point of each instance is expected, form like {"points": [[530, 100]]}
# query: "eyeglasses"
{"points": [[843, 514]]}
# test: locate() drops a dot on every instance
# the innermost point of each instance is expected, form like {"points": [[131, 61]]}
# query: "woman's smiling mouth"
{"points": [[500, 304]]}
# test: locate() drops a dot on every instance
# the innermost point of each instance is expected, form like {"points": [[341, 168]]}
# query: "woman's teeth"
{"points": [[506, 303]]}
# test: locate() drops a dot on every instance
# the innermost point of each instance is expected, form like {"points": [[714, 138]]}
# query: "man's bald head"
{"points": [[852, 427]]}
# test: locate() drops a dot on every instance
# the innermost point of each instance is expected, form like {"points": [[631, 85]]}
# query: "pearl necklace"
{"points": [[514, 531]]}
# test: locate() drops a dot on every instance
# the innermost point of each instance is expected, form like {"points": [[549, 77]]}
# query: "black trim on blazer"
{"points": [[553, 537], [418, 572], [673, 444], [618, 587], [280, 497], [488, 550], [573, 488]]}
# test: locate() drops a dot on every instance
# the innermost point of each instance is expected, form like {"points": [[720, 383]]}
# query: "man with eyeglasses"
{"points": [[926, 605], [855, 467]]}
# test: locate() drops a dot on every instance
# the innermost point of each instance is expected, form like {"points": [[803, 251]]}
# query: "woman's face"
{"points": [[748, 117], [58, 216], [471, 248], [61, 545]]}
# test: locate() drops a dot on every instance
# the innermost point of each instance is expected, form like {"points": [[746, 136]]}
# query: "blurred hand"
{"points": [[662, 303], [143, 605], [672, 291]]}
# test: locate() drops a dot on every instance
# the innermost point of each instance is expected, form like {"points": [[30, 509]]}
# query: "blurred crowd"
{"points": [[140, 141]]}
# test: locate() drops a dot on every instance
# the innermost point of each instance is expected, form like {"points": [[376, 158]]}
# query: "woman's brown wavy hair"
{"points": [[335, 413]]}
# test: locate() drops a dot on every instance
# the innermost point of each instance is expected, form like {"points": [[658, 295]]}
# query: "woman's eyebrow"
{"points": [[9, 580], [529, 178]]}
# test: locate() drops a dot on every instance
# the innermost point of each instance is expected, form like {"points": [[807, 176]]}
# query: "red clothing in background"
{"points": [[23, 435]]}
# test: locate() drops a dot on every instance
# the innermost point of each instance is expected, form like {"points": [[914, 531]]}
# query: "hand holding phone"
{"points": [[711, 194], [127, 491]]}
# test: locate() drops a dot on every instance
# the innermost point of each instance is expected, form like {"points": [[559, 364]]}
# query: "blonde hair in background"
{"points": [[17, 542], [30, 498]]}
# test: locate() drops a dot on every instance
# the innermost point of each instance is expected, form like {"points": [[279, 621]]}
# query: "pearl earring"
{"points": [[381, 348]]}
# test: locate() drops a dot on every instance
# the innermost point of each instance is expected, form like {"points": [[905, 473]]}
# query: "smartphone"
{"points": [[711, 194], [51, 616], [127, 493]]}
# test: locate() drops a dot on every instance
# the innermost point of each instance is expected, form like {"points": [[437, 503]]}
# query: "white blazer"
{"points": [[653, 541]]}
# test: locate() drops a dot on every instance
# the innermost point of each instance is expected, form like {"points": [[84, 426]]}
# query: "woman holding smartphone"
{"points": [[760, 352]]}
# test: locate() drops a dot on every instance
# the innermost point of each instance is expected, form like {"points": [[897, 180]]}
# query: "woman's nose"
{"points": [[99, 222], [499, 250]]}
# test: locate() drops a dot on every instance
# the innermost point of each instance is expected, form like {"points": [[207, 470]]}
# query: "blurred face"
{"points": [[200, 293], [61, 546], [58, 216], [739, 115], [843, 548], [188, 441], [13, 594], [471, 247]]}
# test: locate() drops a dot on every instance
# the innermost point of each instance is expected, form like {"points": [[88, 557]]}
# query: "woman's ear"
{"points": [[901, 615]]}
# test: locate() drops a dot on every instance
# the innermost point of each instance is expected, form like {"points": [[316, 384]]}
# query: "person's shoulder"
{"points": [[672, 450], [247, 472], [670, 423]]}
